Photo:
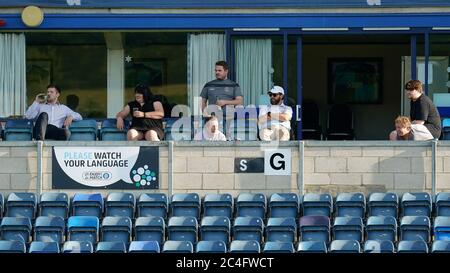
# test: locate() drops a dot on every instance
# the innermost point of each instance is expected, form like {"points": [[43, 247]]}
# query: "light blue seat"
{"points": [[218, 205], [182, 229], [144, 247], [77, 247], [317, 204], [281, 230], [16, 229], [278, 247], [315, 228], [251, 205], [150, 229], [152, 205], [111, 247], [348, 228], [284, 205], [50, 229], [382, 228], [440, 247], [185, 204], [239, 246], [178, 247], [44, 247], [345, 246], [312, 247], [18, 130], [87, 204], [183, 130], [245, 123], [12, 247], [416, 204], [83, 228], [248, 229], [109, 131], [215, 228], [383, 204], [54, 204], [351, 205], [443, 204], [21, 204], [441, 228], [116, 229], [211, 247], [415, 228], [83, 130], [120, 204], [375, 246], [412, 247]]}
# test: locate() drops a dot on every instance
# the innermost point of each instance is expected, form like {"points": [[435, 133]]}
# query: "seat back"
{"points": [[83, 130], [278, 247], [109, 131], [345, 246], [150, 229], [382, 228], [87, 204], [120, 204], [351, 205], [83, 228], [412, 247], [443, 203], [21, 204], [239, 246], [218, 205], [311, 128], [248, 229], [375, 246], [414, 228], [317, 204], [416, 204], [152, 205], [7, 246], [251, 205], [383, 204], [182, 229], [44, 247], [111, 247], [77, 247], [211, 247], [312, 247], [178, 129], [144, 247], [281, 230], [116, 229], [18, 130], [215, 228], [16, 229], [315, 228], [340, 122], [441, 228], [440, 246], [348, 228], [185, 204], [178, 247], [49, 229], [284, 205], [54, 205]]}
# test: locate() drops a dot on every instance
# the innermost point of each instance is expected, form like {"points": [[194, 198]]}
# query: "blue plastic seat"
{"points": [[2, 205], [12, 247], [441, 228], [278, 247], [245, 124], [383, 204], [211, 247], [50, 229], [218, 205], [348, 228], [183, 130], [248, 229], [116, 229], [375, 246], [351, 205], [83, 228], [185, 204], [215, 228], [440, 246], [83, 130], [315, 228], [239, 246], [18, 130], [109, 131], [111, 247], [382, 228], [317, 204], [152, 205], [345, 246], [44, 247], [415, 228], [284, 205], [144, 247], [416, 204], [182, 229], [281, 230], [251, 205], [21, 204], [87, 204], [312, 247], [120, 204], [412, 247], [178, 247], [443, 204], [16, 229], [77, 247], [150, 229], [54, 204]]}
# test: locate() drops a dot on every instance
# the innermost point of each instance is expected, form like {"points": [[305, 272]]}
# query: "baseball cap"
{"points": [[277, 89]]}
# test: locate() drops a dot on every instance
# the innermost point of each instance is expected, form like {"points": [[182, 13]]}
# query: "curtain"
{"points": [[12, 74], [254, 68], [204, 50]]}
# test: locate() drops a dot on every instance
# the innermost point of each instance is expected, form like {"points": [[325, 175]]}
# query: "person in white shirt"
{"points": [[210, 131], [53, 118], [274, 120], [407, 131]]}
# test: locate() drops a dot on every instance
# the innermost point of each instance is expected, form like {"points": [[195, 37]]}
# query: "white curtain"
{"points": [[12, 74], [204, 50], [253, 68]]}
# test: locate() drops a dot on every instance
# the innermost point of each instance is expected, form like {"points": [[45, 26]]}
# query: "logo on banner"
{"points": [[277, 162]]}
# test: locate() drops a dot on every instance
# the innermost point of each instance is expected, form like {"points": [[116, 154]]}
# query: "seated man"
{"points": [[210, 130], [274, 120], [53, 118], [407, 131]]}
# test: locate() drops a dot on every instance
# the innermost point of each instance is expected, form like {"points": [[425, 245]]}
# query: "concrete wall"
{"points": [[333, 167]]}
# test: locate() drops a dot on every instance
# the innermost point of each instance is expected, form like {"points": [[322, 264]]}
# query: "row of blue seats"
{"points": [[23, 204], [212, 228], [238, 246]]}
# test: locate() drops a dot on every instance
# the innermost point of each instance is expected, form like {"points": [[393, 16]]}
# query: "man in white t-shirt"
{"points": [[407, 131], [274, 120], [210, 131]]}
